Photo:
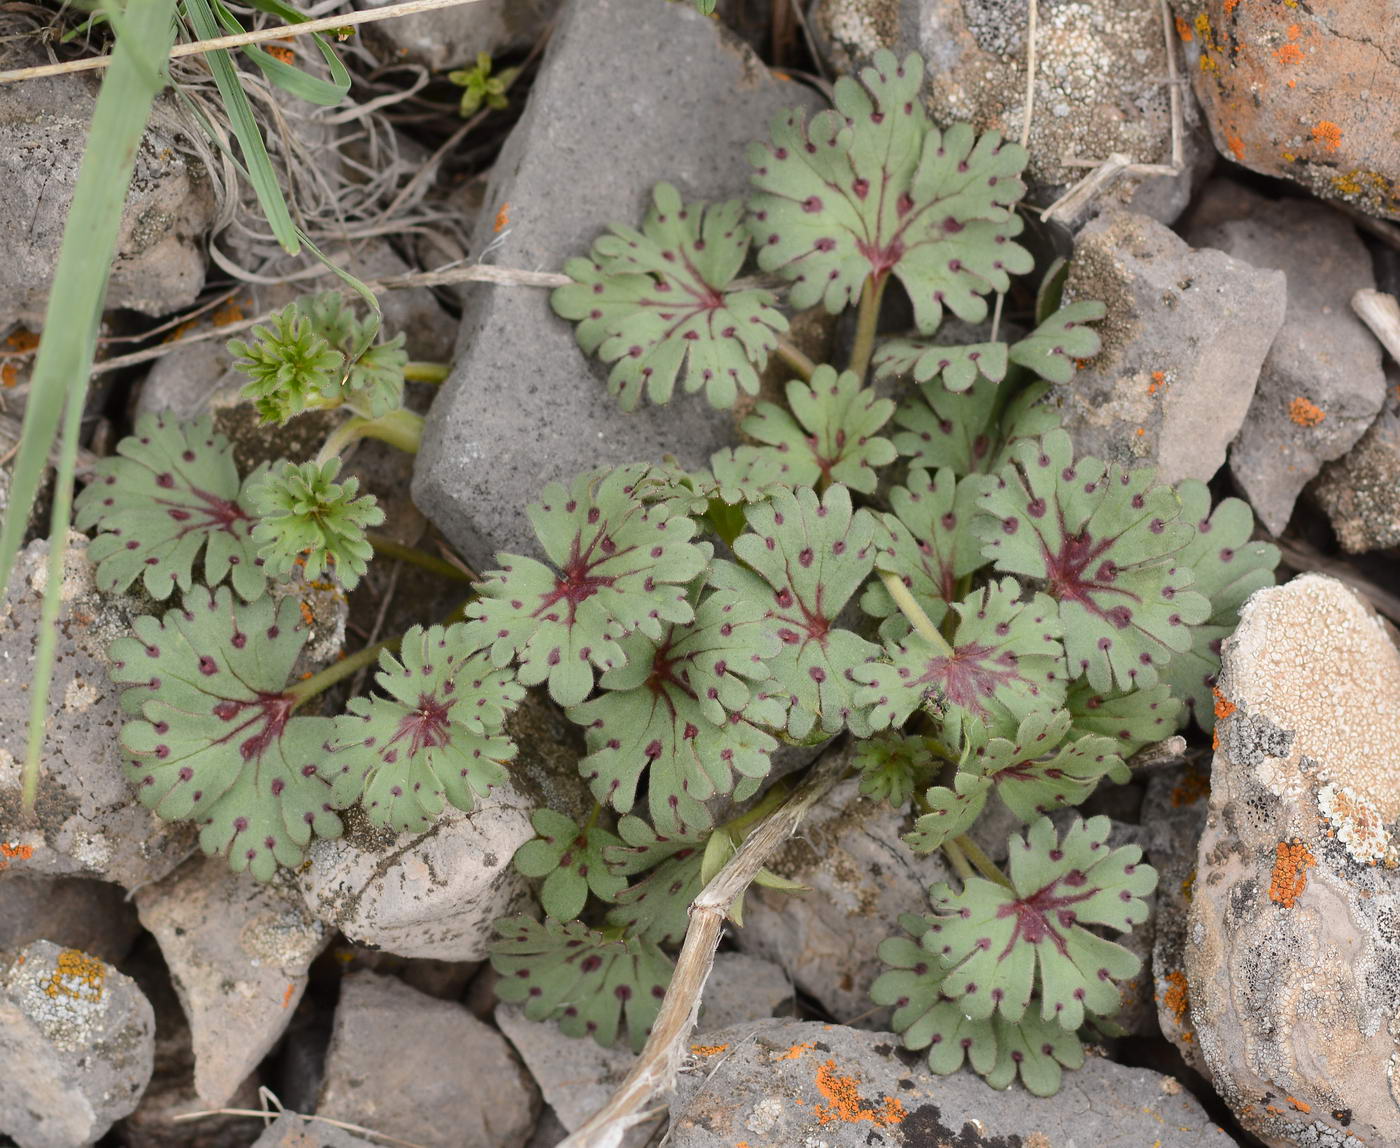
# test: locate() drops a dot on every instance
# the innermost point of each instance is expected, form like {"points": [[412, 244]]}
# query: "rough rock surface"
{"points": [[862, 877], [1302, 91], [238, 952], [435, 894], [743, 987], [76, 1042], [524, 406], [1360, 491], [452, 37], [292, 1131], [793, 1082], [78, 914], [423, 1070], [1100, 82], [1183, 342], [1322, 383], [88, 821], [1292, 957]]}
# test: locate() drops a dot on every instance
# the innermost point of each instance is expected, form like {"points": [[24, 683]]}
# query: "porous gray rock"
{"points": [[796, 1082], [293, 1131], [1184, 340], [524, 406], [434, 894], [452, 37], [1291, 953], [93, 916], [423, 1070], [238, 952], [743, 987], [1322, 383], [861, 877], [1360, 492], [87, 819], [76, 1039]]}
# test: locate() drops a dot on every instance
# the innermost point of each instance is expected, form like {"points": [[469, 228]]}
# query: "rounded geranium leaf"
{"points": [[1133, 719], [949, 812], [1052, 348], [1036, 1050], [582, 979], [658, 301], [570, 860], [307, 518], [943, 428], [216, 741], [616, 564], [1228, 568], [830, 434], [438, 738], [956, 367], [170, 491], [1104, 546], [643, 847], [872, 187], [657, 908], [928, 541], [894, 765], [999, 945]]}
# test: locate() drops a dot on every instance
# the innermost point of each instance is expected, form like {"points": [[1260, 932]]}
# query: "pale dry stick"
{"points": [[1159, 755], [654, 1071], [264, 1114], [242, 39], [1380, 312], [1032, 15]]}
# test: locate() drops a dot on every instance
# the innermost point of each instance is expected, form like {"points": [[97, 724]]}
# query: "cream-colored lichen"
{"points": [[1356, 822]]}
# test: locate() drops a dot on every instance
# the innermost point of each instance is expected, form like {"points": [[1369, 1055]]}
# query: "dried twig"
{"points": [[655, 1069], [1380, 312], [1032, 17], [1160, 754]]}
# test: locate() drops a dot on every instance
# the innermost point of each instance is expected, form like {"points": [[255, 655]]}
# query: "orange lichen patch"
{"points": [[9, 375], [1290, 875], [23, 852], [796, 1050], [1190, 789], [844, 1103], [1223, 706], [708, 1049], [78, 976], [308, 615], [283, 54], [230, 312], [179, 332], [1176, 997], [1293, 31], [1183, 29], [1305, 413], [1236, 145], [1188, 886], [1327, 133], [287, 996], [1141, 431], [1299, 1105], [22, 341], [1230, 6], [1289, 54], [1158, 383], [502, 218]]}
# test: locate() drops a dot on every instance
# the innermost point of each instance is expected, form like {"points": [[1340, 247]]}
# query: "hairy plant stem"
{"points": [[795, 359], [911, 609], [401, 428], [949, 625], [957, 858], [390, 549], [867, 318], [973, 852], [427, 372]]}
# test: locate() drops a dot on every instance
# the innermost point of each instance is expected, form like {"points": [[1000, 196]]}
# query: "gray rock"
{"points": [[524, 407], [76, 1040], [575, 1076], [238, 953], [1291, 952], [87, 820], [436, 894], [549, 1132], [1322, 384], [78, 914], [861, 878], [451, 37], [1183, 342], [1100, 83], [744, 987], [794, 1082], [423, 1070], [293, 1131], [1360, 492]]}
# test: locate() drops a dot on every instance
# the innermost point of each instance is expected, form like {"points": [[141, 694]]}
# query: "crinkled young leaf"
{"points": [[170, 491], [927, 541], [1133, 719], [657, 908], [943, 428], [1052, 348], [654, 301], [676, 713], [1007, 662], [807, 558], [216, 741], [616, 564], [893, 765], [1001, 946], [571, 862], [371, 379], [438, 738], [950, 812], [306, 517], [572, 974], [957, 367], [1104, 545], [830, 436], [872, 187], [1228, 568]]}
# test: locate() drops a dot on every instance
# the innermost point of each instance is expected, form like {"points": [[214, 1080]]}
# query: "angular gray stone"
{"points": [[743, 987], [1360, 492], [238, 952], [77, 1044], [87, 821], [524, 407], [549, 1132], [861, 878], [1183, 342], [575, 1076], [93, 916], [451, 38], [423, 1070], [802, 1083], [292, 1131], [436, 894], [1322, 383]]}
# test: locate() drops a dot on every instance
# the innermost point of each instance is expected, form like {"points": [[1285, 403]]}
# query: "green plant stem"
{"points": [[795, 359], [427, 372], [973, 852], [401, 428], [351, 664], [950, 619], [957, 858], [867, 318], [911, 609], [390, 549], [776, 795]]}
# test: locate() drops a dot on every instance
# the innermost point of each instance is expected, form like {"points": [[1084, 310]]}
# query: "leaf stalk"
{"points": [[984, 864], [797, 360], [867, 319], [401, 428], [418, 372], [922, 623]]}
